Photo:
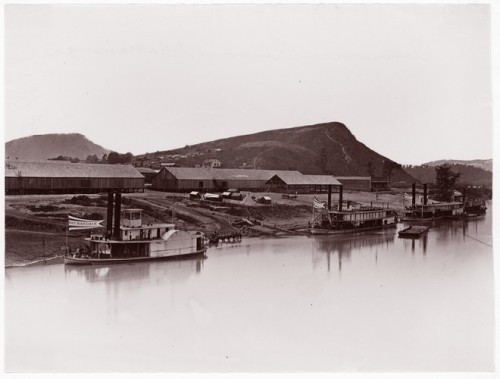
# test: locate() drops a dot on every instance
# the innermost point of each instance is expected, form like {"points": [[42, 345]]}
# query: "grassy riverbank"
{"points": [[36, 224]]}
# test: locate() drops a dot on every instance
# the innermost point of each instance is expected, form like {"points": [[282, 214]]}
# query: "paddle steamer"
{"points": [[131, 240]]}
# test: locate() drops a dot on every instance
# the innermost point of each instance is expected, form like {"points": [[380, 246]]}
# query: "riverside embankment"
{"points": [[36, 225]]}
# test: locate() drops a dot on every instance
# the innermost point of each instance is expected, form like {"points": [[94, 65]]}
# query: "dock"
{"points": [[413, 231]]}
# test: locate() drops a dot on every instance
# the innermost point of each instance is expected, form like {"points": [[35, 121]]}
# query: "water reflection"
{"points": [[173, 270], [341, 246], [449, 230], [444, 233], [267, 305]]}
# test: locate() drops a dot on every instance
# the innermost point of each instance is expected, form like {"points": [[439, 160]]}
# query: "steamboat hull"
{"points": [[410, 219], [109, 261], [323, 231]]}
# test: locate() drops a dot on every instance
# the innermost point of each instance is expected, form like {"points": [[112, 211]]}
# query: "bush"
{"points": [[79, 200], [87, 201], [42, 208], [93, 216]]}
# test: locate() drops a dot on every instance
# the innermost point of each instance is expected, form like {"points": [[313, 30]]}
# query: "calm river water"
{"points": [[370, 302]]}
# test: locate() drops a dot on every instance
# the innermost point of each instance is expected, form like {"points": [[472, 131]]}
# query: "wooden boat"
{"points": [[352, 221], [434, 211], [414, 231], [475, 207], [131, 241]]}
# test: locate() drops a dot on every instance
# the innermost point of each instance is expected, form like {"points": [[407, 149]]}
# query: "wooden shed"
{"points": [[380, 184], [185, 179], [295, 182], [356, 183], [64, 177], [245, 179], [148, 174]]}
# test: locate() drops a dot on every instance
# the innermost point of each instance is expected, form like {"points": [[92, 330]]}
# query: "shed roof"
{"points": [[57, 169], [352, 178], [247, 174], [322, 180], [296, 178], [146, 170], [223, 173], [190, 172], [380, 179]]}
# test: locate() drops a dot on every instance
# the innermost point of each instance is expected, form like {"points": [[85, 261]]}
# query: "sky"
{"points": [[412, 82]]}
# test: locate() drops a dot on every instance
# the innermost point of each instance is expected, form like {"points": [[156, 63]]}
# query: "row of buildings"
{"points": [[65, 177]]}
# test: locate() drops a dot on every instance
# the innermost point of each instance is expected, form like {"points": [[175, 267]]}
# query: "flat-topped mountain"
{"points": [[328, 148], [485, 164], [45, 146]]}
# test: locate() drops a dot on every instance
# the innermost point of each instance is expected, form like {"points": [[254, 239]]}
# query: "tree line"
{"points": [[469, 175], [111, 158]]}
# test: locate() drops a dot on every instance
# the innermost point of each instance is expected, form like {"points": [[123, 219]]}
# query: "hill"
{"points": [[469, 175], [328, 148], [485, 164], [42, 147]]}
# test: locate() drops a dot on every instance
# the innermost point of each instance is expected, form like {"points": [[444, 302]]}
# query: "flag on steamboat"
{"points": [[80, 223], [318, 204]]}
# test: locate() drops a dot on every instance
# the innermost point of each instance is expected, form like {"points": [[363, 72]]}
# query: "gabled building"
{"points": [[175, 179], [380, 184], [65, 177], [211, 163], [180, 179], [295, 182], [356, 183], [148, 174]]}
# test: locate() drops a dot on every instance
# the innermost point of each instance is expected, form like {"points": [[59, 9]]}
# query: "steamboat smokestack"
{"points": [[118, 209], [413, 193], [341, 193], [329, 197], [425, 194], [109, 222]]}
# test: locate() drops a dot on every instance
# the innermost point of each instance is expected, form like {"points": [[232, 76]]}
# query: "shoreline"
{"points": [[38, 262], [35, 225]]}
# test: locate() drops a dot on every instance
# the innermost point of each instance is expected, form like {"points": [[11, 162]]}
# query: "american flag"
{"points": [[318, 204]]}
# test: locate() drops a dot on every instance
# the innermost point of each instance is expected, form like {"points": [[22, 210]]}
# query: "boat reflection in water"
{"points": [[449, 231], [267, 305], [154, 272], [325, 247], [117, 283]]}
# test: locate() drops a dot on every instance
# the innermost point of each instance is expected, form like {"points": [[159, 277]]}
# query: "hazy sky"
{"points": [[412, 82]]}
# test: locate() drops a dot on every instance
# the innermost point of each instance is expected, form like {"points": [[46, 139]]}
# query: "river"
{"points": [[370, 302]]}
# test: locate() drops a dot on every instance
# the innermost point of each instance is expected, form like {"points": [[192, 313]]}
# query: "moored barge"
{"points": [[413, 231]]}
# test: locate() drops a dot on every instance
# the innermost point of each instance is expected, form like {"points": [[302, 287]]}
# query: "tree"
{"points": [[104, 158], [445, 182], [91, 159], [114, 158], [127, 158]]}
